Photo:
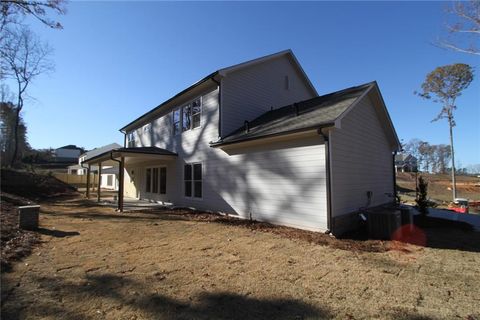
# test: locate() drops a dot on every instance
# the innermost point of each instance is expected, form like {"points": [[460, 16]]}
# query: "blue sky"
{"points": [[117, 60]]}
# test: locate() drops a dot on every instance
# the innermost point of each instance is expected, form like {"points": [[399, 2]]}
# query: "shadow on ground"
{"points": [[57, 233], [118, 292]]}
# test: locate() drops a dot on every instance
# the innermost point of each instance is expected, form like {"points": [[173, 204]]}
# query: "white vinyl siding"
{"points": [[249, 92], [281, 183], [361, 160]]}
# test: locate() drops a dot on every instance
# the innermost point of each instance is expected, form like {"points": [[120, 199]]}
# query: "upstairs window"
{"points": [[187, 117], [176, 121], [147, 128], [131, 137], [196, 113]]}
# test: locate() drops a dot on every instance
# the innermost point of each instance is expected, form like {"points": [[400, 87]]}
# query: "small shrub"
{"points": [[422, 192]]}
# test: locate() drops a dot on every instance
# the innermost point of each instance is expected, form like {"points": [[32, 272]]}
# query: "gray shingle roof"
{"points": [[138, 150], [309, 114], [95, 152]]}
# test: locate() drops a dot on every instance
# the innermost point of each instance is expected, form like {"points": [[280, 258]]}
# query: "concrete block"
{"points": [[28, 217]]}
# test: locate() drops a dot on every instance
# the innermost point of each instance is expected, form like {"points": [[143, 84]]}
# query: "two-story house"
{"points": [[405, 162], [256, 140]]}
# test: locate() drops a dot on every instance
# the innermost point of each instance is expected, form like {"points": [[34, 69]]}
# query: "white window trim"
{"points": [[180, 108], [193, 181], [131, 137], [151, 180], [179, 121]]}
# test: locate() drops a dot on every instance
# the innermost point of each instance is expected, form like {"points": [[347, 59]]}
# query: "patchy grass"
{"points": [[95, 263]]}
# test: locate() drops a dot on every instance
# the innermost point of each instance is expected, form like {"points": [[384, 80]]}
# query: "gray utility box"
{"points": [[383, 223], [28, 217]]}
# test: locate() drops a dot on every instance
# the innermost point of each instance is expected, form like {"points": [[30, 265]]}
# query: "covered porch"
{"points": [[123, 158]]}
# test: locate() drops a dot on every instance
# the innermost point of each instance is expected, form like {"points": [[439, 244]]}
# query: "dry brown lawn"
{"points": [[94, 263]]}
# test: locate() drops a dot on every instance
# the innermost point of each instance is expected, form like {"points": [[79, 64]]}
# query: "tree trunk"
{"points": [[15, 137], [454, 183]]}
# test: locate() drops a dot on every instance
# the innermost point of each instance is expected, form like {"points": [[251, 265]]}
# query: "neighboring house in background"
{"points": [[109, 173], [256, 141], [405, 163], [68, 153]]}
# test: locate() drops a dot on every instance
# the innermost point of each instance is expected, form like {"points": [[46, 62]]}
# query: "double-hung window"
{"points": [[187, 117], [156, 180], [176, 121], [192, 177], [196, 113], [131, 139]]}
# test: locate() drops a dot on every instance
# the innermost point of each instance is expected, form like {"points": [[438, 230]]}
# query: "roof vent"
{"points": [[247, 126]]}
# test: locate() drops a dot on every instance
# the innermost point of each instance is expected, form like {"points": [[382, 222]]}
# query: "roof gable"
{"points": [[217, 75]]}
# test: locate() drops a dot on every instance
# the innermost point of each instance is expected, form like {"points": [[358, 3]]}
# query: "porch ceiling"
{"points": [[131, 155]]}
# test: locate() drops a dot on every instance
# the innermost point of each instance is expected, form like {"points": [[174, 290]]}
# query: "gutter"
{"points": [[329, 181], [221, 143]]}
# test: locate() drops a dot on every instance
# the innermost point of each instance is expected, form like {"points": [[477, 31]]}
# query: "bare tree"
{"points": [[445, 84], [412, 147], [13, 12], [27, 57], [466, 29], [443, 155]]}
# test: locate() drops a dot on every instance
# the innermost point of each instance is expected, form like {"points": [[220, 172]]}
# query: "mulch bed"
{"points": [[357, 241]]}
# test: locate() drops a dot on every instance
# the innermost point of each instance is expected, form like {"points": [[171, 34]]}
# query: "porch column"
{"points": [[99, 181], [121, 170], [88, 182]]}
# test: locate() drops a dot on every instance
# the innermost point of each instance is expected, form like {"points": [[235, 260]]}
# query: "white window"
{"points": [[196, 113], [147, 128], [187, 117], [176, 121], [192, 177], [131, 137], [156, 180]]}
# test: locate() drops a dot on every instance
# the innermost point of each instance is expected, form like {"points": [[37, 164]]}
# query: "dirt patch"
{"points": [[439, 186], [16, 243], [23, 188], [95, 263]]}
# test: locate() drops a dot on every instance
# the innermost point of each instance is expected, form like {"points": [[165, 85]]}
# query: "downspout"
{"points": [[219, 108], [328, 182], [394, 177]]}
